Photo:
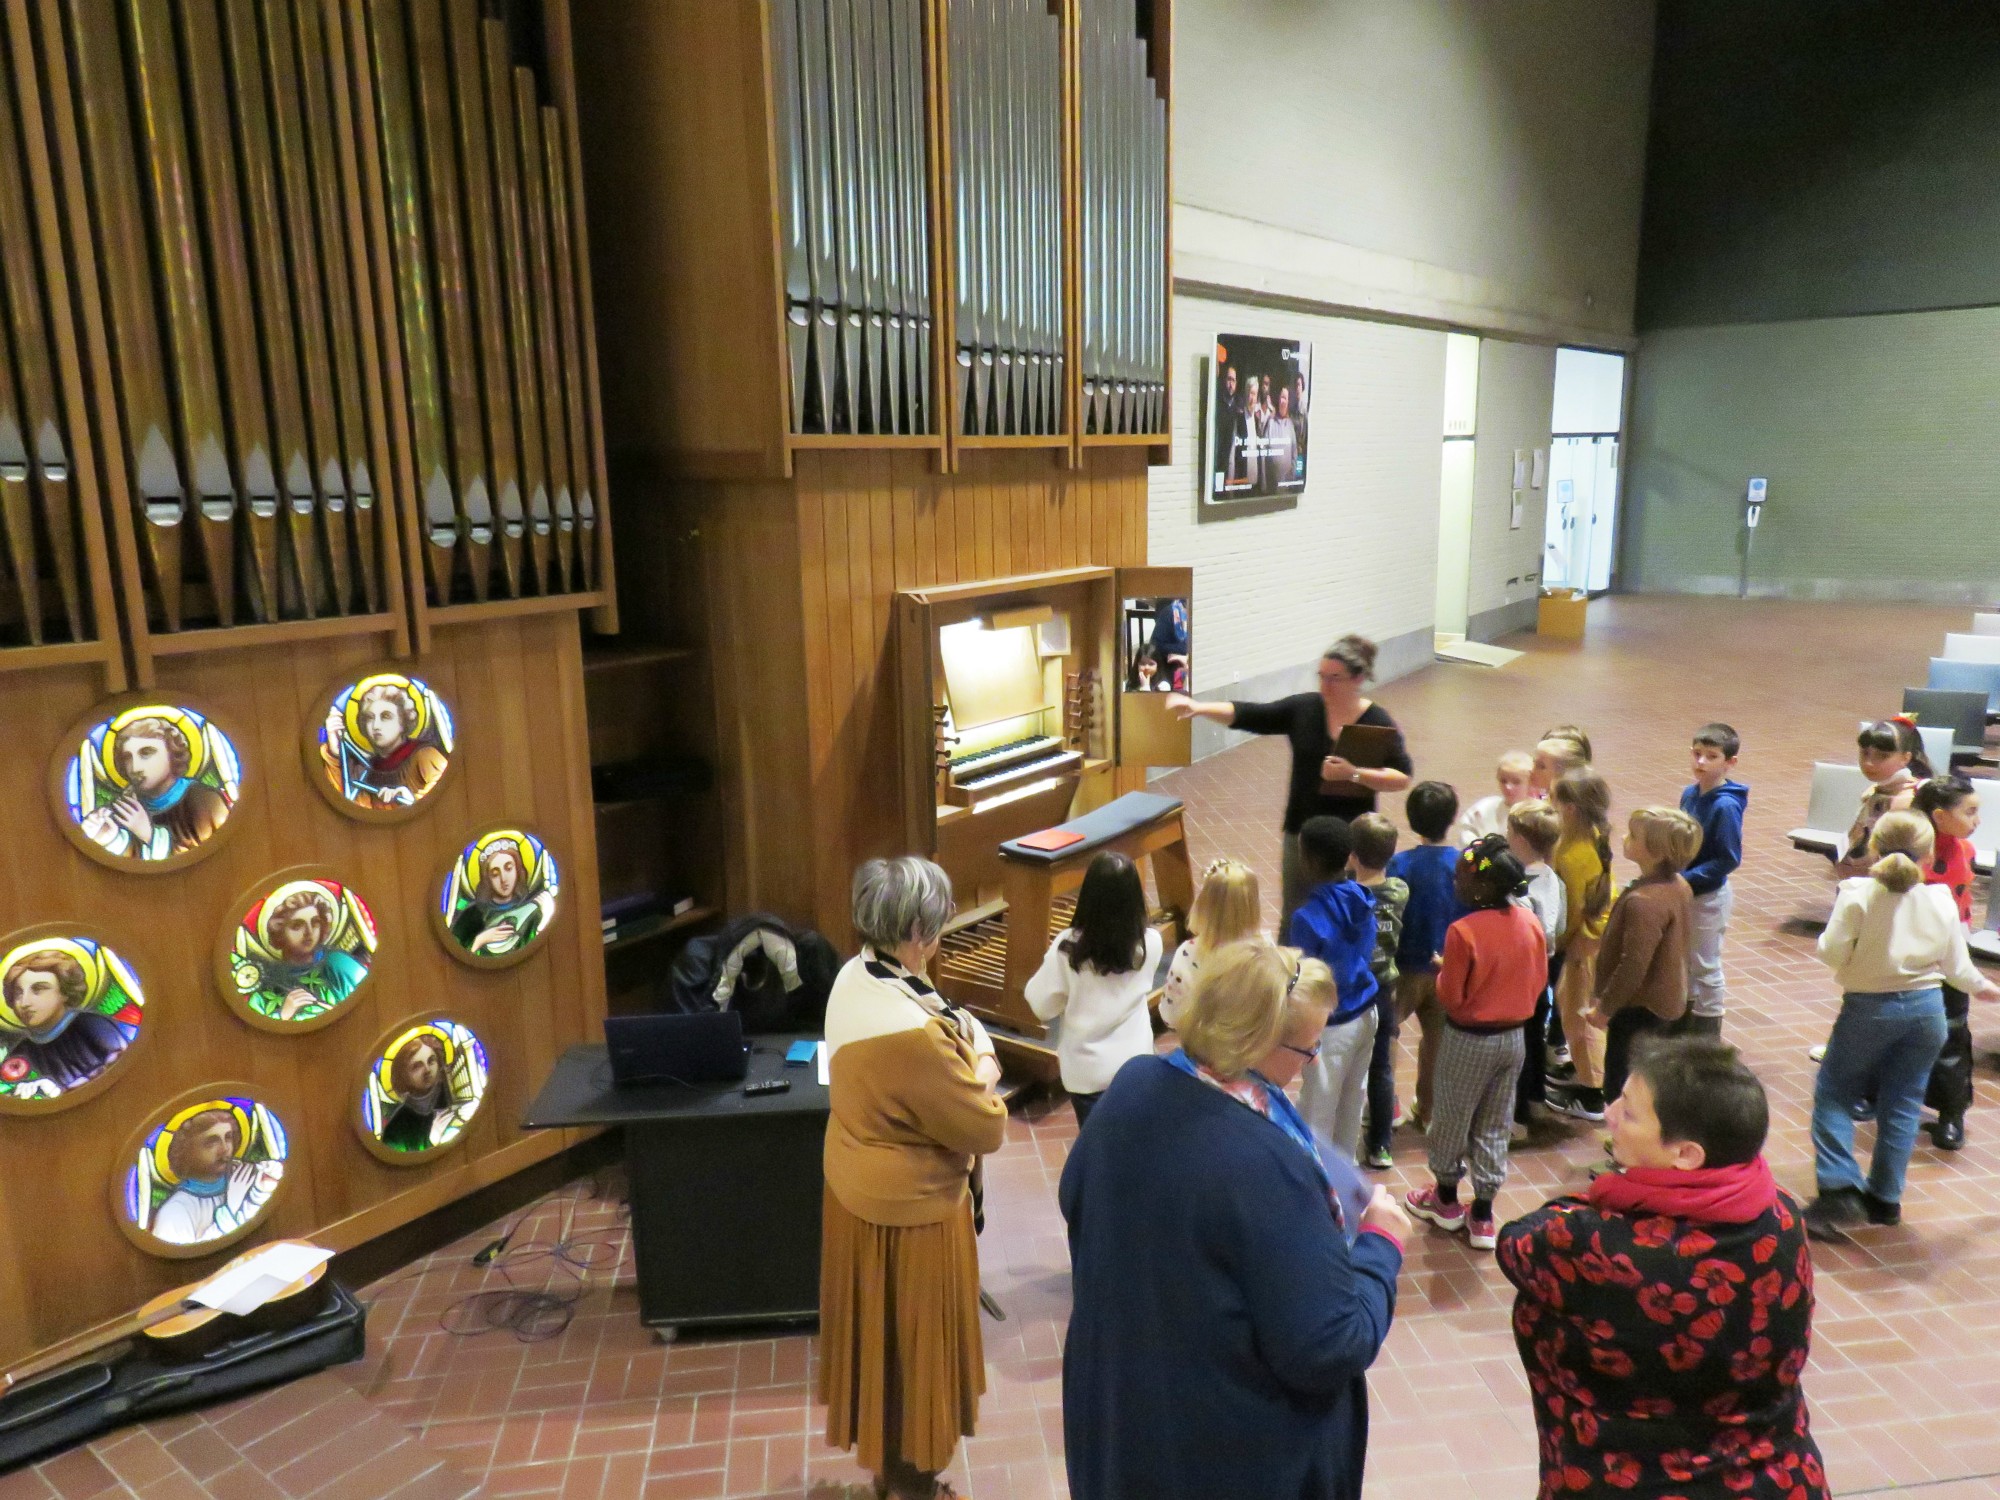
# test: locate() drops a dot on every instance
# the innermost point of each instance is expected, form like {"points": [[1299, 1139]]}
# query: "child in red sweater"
{"points": [[1494, 966], [1953, 808]]}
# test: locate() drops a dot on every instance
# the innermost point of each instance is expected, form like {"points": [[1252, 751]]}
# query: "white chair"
{"points": [[1831, 807], [1967, 677], [1971, 647], [1986, 837], [1937, 745], [1986, 623]]}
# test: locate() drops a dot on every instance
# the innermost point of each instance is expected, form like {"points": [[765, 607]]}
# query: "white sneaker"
{"points": [[1817, 1053]]}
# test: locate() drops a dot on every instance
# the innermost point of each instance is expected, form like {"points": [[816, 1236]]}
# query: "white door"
{"points": [[1454, 585], [1603, 512], [1461, 407]]}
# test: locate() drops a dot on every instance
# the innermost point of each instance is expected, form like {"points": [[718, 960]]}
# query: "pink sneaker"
{"points": [[1481, 1233], [1426, 1205]]}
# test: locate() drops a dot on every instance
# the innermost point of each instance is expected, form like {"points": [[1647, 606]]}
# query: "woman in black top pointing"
{"points": [[1321, 781]]}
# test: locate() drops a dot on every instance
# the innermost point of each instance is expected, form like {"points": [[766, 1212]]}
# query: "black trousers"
{"points": [[1083, 1104], [1950, 1091], [1627, 1026], [1552, 1023], [1694, 1025], [1382, 1072], [1535, 1066]]}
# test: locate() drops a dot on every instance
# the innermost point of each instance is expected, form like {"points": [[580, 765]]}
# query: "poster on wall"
{"points": [[1259, 413]]}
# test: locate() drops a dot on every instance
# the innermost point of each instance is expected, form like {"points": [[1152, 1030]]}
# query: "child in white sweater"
{"points": [[1489, 814], [1892, 941], [1096, 976]]}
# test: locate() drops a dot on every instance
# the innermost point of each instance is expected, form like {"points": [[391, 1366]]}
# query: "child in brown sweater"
{"points": [[1641, 983]]}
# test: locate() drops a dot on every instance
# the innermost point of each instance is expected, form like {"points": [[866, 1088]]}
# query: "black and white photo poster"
{"points": [[1259, 411]]}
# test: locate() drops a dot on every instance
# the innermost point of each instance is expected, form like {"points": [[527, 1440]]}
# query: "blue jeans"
{"points": [[1882, 1047]]}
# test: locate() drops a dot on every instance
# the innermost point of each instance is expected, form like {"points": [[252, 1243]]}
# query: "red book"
{"points": [[1050, 839]]}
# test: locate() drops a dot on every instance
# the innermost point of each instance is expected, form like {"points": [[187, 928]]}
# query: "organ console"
{"points": [[1007, 728]]}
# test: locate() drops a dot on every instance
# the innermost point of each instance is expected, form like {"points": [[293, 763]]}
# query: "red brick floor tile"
{"points": [[79, 1475]]}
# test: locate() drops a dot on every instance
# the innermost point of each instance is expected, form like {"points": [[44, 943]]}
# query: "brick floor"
{"points": [[1902, 1381]]}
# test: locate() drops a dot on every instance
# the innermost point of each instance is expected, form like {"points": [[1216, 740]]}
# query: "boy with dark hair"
{"points": [[1716, 803], [1336, 925], [1427, 870], [1374, 846]]}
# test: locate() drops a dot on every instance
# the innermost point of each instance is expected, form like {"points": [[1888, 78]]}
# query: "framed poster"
{"points": [[1256, 429]]}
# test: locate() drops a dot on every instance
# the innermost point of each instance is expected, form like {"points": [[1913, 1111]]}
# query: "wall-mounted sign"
{"points": [[1258, 421]]}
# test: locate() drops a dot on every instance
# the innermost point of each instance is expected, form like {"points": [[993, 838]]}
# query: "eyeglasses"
{"points": [[1310, 1054]]}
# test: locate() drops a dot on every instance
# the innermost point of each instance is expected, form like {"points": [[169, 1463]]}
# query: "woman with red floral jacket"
{"points": [[1664, 1318]]}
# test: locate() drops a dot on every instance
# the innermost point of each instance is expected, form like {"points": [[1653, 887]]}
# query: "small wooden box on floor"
{"points": [[1561, 614]]}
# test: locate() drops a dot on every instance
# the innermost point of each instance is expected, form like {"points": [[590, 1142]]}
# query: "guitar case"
{"points": [[133, 1381]]}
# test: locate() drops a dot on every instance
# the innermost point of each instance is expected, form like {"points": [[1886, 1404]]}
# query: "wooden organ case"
{"points": [[1018, 701]]}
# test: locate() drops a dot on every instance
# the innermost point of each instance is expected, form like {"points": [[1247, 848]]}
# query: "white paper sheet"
{"points": [[823, 1061], [250, 1285]]}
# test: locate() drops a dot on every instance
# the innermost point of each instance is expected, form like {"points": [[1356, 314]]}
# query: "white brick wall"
{"points": [[1517, 384], [1360, 551]]}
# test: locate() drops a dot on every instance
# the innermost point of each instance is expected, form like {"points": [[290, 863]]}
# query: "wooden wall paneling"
{"points": [[517, 691], [672, 107]]}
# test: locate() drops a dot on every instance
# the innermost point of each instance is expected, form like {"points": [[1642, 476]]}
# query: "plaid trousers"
{"points": [[1473, 1100]]}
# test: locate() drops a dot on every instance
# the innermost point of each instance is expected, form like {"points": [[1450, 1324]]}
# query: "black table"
{"points": [[725, 1190]]}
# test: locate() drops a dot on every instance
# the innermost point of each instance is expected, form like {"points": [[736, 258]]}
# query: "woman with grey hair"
{"points": [[902, 1366]]}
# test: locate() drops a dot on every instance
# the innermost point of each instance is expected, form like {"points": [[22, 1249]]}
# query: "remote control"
{"points": [[768, 1086]]}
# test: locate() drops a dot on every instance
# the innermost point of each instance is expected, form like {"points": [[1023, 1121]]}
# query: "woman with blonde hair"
{"points": [[1224, 1311], [902, 1366], [1228, 908], [1892, 942]]}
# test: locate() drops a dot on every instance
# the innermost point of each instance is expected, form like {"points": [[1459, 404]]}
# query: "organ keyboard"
{"points": [[975, 778]]}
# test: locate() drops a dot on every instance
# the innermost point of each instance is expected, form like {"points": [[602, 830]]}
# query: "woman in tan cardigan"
{"points": [[902, 1366]]}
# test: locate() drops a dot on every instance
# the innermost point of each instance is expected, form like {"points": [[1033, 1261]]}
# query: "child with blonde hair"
{"points": [[1489, 814], [1228, 908], [1641, 982], [1892, 942], [1582, 800], [1556, 753]]}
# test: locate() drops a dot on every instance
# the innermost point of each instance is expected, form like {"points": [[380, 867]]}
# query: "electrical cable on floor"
{"points": [[566, 1264]]}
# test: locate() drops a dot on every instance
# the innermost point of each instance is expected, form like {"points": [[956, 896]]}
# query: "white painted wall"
{"points": [[1360, 550], [1474, 162], [1517, 384]]}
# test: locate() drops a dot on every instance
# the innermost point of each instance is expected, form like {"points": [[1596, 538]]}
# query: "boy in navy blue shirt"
{"points": [[1716, 802], [1336, 925], [1427, 869]]}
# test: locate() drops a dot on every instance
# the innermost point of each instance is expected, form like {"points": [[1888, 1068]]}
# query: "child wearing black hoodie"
{"points": [[1716, 803]]}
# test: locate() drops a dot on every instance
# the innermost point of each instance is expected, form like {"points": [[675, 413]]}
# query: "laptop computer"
{"points": [[703, 1048]]}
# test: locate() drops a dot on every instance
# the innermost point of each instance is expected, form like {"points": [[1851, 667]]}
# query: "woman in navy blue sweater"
{"points": [[1229, 1292]]}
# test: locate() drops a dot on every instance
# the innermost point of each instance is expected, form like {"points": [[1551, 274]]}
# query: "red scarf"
{"points": [[1708, 1195], [394, 758]]}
